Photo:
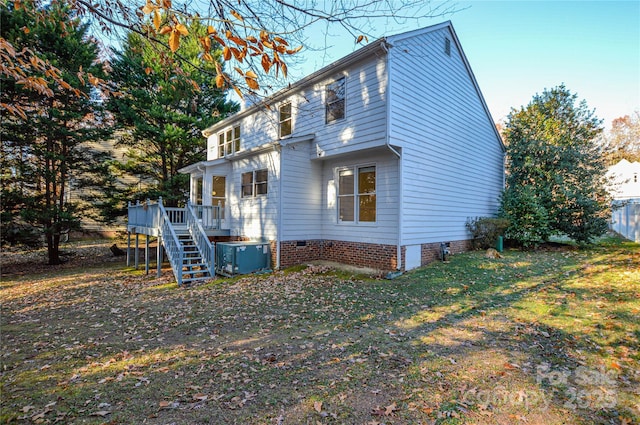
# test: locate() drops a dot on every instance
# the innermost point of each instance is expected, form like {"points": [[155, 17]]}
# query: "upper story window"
{"points": [[335, 95], [229, 141], [357, 194], [254, 183], [285, 119]]}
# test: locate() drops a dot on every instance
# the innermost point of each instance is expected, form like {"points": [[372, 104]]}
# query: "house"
{"points": [[374, 160], [624, 185], [624, 180]]}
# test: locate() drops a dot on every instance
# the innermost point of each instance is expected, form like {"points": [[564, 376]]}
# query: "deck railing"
{"points": [[172, 245], [210, 216], [146, 214], [200, 238]]}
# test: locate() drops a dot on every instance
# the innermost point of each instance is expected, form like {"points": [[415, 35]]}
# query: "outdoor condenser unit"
{"points": [[242, 257]]}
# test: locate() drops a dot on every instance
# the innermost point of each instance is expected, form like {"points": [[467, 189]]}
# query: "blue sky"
{"points": [[518, 48]]}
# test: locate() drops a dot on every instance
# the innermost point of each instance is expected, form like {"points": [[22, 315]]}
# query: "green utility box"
{"points": [[234, 258]]}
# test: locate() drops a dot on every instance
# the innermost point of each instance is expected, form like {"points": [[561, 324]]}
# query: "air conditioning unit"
{"points": [[234, 258]]}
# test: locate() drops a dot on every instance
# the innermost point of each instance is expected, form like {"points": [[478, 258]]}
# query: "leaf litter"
{"points": [[318, 346]]}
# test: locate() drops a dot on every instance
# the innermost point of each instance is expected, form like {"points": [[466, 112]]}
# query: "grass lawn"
{"points": [[533, 338]]}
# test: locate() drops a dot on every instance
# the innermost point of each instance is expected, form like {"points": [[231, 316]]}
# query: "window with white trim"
{"points": [[284, 113], [229, 141], [357, 194], [335, 100], [254, 183], [218, 193]]}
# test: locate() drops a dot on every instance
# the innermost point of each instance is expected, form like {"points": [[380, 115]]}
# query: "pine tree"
{"points": [[44, 149], [161, 106]]}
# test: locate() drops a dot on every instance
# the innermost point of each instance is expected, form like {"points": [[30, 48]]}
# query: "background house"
{"points": [[374, 160], [624, 180], [624, 186]]}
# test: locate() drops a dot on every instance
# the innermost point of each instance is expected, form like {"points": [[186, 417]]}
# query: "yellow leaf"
{"points": [[239, 41], [253, 84], [251, 74], [281, 40], [182, 29], [237, 15], [219, 81], [166, 4], [219, 40], [163, 404], [252, 39], [317, 405], [165, 30], [226, 53], [206, 43], [26, 30], [266, 63], [157, 19], [207, 56], [267, 43], [293, 51], [359, 39], [239, 71], [147, 70], [238, 92], [283, 66], [148, 8], [174, 40], [211, 30]]}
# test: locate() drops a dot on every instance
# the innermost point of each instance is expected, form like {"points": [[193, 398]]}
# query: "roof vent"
{"points": [[447, 46]]}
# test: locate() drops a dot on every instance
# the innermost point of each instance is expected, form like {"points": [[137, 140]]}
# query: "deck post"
{"points": [[159, 257], [137, 257], [128, 249], [146, 254]]}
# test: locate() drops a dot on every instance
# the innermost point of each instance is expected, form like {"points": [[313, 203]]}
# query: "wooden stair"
{"points": [[194, 269]]}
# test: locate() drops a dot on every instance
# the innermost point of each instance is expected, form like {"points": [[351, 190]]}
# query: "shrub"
{"points": [[528, 218], [485, 231]]}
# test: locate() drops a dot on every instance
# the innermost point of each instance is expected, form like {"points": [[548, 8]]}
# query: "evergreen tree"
{"points": [[161, 106], [44, 148], [553, 152]]}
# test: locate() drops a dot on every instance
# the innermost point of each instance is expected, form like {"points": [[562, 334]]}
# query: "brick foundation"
{"points": [[431, 251], [377, 256]]}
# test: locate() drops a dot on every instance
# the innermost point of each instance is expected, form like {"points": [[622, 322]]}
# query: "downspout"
{"points": [[384, 47], [280, 197]]}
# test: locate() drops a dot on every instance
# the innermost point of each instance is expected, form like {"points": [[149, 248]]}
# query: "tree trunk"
{"points": [[53, 249]]}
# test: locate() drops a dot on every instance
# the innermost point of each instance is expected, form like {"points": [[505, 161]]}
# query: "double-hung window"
{"points": [[284, 113], [335, 100], [357, 194], [229, 142], [254, 183]]}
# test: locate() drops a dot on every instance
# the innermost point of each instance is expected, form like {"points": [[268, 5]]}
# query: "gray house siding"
{"points": [[452, 161]]}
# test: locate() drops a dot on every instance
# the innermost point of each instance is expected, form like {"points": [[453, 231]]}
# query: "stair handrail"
{"points": [[172, 245], [200, 238]]}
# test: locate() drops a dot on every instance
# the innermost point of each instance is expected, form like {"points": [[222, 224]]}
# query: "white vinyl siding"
{"points": [[254, 217], [301, 194], [452, 158], [384, 229]]}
